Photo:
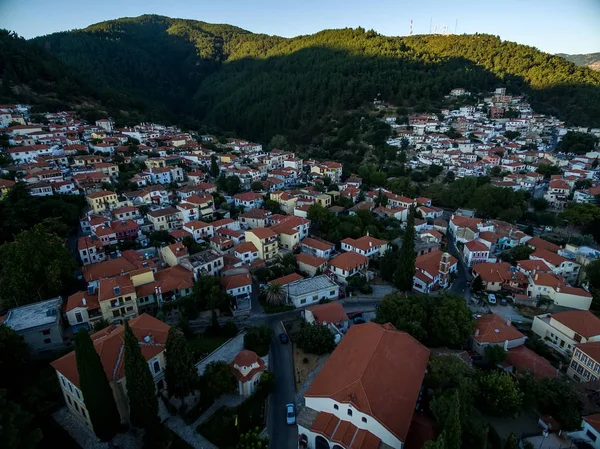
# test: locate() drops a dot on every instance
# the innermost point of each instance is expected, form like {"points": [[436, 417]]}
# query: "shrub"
{"points": [[258, 339], [315, 339]]}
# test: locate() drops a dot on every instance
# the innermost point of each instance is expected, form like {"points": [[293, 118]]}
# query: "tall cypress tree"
{"points": [[97, 394], [141, 391], [180, 373], [452, 428], [403, 277]]}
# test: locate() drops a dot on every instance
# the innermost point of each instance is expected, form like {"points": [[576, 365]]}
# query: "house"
{"points": [[101, 200], [367, 391], [166, 219], [91, 250], [317, 247], [475, 252], [585, 362], [246, 252], [208, 262], [163, 286], [83, 309], [560, 265], [323, 200], [117, 298], [332, 170], [255, 218], [286, 201], [247, 367], [348, 264], [172, 254], [199, 230], [557, 194], [538, 243], [287, 279], [562, 331], [432, 271], [556, 289], [239, 286], [265, 241], [310, 264], [589, 433], [493, 330], [521, 360], [365, 245], [248, 200], [108, 343], [311, 290], [499, 276], [327, 314], [39, 323]]}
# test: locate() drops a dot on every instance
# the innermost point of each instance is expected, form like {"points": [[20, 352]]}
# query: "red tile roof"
{"points": [[348, 261], [262, 233], [332, 312], [377, 369], [524, 359], [288, 279], [584, 322], [364, 243], [536, 242], [313, 261], [594, 421], [109, 346], [319, 244], [236, 281], [492, 328]]}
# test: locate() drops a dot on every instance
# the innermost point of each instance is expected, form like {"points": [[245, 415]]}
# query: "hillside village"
{"points": [[222, 232]]}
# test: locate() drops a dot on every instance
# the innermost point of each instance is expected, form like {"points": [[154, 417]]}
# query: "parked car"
{"points": [[359, 320], [352, 315], [290, 415], [492, 298], [283, 338], [503, 302]]}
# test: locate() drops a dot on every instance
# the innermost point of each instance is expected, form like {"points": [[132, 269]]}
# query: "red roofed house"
{"points": [[239, 286], [522, 359], [317, 247], [248, 200], [366, 393], [331, 314], [152, 335], [348, 264], [559, 264], [564, 330], [585, 362], [475, 252], [247, 367], [589, 432], [557, 194], [494, 330], [365, 245], [311, 264], [556, 289], [432, 271]]}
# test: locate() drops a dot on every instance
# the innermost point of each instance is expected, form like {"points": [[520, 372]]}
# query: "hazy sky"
{"points": [[555, 26]]}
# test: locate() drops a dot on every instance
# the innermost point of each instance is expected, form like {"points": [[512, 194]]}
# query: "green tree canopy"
{"points": [[36, 266], [217, 379], [498, 394], [180, 373], [315, 339], [97, 393], [258, 339], [17, 430], [141, 390]]}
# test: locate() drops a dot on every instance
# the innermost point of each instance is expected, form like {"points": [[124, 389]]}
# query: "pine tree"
{"points": [[180, 373], [403, 277], [141, 391], [440, 443], [452, 428], [97, 394]]}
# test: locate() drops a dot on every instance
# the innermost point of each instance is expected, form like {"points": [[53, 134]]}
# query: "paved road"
{"points": [[459, 286]]}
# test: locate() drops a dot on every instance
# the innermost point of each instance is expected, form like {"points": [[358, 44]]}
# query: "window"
{"points": [[364, 419], [303, 301], [78, 317], [47, 341], [336, 407], [332, 292], [349, 412], [590, 435], [156, 366], [46, 332]]}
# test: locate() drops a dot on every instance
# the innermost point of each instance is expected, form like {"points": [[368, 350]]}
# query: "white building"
{"points": [[562, 331], [311, 290]]}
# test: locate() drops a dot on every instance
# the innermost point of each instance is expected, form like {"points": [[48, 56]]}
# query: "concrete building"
{"points": [[265, 242], [562, 331], [493, 330], [39, 324], [311, 290], [247, 367]]}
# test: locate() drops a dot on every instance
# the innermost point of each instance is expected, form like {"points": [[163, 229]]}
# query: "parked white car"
{"points": [[492, 298]]}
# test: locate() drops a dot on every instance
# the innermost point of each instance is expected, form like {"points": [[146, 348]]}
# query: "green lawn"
{"points": [[202, 346]]}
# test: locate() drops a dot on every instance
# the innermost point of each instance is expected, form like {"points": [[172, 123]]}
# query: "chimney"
{"points": [[83, 301], [477, 332], [536, 277], [509, 322], [506, 345]]}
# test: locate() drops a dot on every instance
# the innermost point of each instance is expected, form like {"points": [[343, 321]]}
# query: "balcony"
{"points": [[118, 304]]}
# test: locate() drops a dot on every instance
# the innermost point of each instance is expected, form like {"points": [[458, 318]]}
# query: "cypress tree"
{"points": [[97, 394], [452, 428], [180, 373], [403, 277], [141, 390]]}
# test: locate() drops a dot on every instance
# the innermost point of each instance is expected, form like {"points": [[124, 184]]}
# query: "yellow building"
{"points": [[323, 200], [265, 242], [155, 162], [98, 135], [5, 186], [152, 336], [172, 254], [102, 200], [286, 201], [117, 297]]}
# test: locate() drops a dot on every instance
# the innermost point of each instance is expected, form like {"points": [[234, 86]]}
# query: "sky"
{"points": [[554, 26]]}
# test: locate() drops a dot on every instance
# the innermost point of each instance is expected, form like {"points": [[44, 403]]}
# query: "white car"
{"points": [[290, 415], [492, 298]]}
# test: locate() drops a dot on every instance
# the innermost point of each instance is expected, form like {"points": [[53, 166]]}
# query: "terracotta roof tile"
{"points": [[584, 322], [492, 328]]}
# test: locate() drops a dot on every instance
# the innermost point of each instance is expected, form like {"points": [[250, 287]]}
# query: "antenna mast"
{"points": [[411, 29], [456, 26], [430, 23]]}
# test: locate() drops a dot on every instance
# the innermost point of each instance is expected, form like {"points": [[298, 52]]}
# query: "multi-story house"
{"points": [[204, 203], [555, 288], [557, 194], [248, 200], [101, 200], [286, 201], [564, 330], [352, 402], [255, 218], [83, 309], [560, 265], [348, 264], [475, 252], [317, 247], [585, 362], [299, 224], [167, 219], [91, 250], [432, 271], [246, 252], [365, 245], [332, 170], [493, 330], [117, 299], [209, 263], [589, 432], [188, 211], [265, 241], [200, 231], [152, 336]]}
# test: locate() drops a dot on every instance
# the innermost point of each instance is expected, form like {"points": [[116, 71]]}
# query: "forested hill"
{"points": [[591, 60], [262, 85]]}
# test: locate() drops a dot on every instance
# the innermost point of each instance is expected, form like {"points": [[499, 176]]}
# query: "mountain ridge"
{"points": [[195, 72], [591, 60]]}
